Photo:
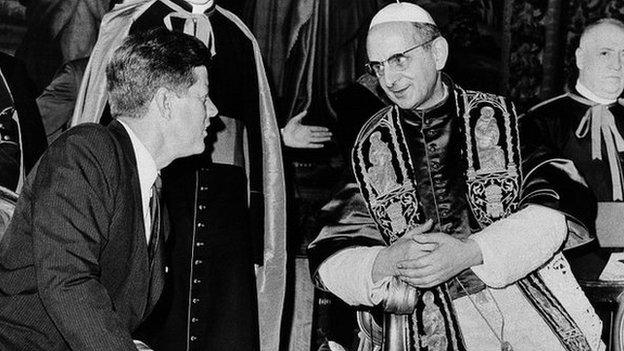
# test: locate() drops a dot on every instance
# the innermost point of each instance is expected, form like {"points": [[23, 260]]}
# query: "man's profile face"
{"points": [[415, 85], [600, 61], [190, 117]]}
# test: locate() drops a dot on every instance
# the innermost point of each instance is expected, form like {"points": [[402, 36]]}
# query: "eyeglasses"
{"points": [[398, 62]]}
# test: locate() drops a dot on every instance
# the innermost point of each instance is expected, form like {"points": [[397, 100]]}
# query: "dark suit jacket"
{"points": [[74, 270]]}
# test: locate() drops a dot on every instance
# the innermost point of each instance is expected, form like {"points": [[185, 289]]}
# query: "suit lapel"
{"points": [[120, 133], [154, 272]]}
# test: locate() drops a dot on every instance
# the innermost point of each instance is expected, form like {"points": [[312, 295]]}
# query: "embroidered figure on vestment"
{"points": [[433, 323], [487, 134], [381, 174]]}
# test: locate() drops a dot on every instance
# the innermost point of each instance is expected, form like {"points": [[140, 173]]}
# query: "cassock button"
{"points": [[202, 207], [198, 262], [203, 188], [200, 225], [195, 300], [196, 281], [194, 320], [193, 338], [199, 244]]}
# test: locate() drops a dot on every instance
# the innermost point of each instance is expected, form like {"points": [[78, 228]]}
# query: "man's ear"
{"points": [[440, 49], [163, 98], [578, 54]]}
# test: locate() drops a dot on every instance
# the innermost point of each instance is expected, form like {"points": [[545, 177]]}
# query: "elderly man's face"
{"points": [[414, 86], [600, 59]]}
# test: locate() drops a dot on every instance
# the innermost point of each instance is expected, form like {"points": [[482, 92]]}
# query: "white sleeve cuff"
{"points": [[348, 275], [519, 244]]}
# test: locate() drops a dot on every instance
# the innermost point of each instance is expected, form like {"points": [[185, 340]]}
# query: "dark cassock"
{"points": [[581, 134], [226, 205], [457, 163]]}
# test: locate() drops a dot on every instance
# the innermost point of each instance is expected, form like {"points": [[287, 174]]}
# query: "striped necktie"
{"points": [[155, 213]]}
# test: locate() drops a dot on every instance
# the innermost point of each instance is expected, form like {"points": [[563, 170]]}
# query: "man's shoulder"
{"points": [[560, 112], [555, 103], [87, 150], [373, 122], [88, 136], [87, 130]]}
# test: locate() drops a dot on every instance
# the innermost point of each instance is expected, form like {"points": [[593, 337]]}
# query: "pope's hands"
{"points": [[424, 259], [449, 257], [404, 248]]}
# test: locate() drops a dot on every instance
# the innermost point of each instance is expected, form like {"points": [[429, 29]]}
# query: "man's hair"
{"points": [[426, 33], [147, 61], [590, 27]]}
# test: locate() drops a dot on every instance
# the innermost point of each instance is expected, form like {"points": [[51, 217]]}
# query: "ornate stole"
{"points": [[385, 173]]}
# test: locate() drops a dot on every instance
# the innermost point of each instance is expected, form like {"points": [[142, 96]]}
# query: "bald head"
{"points": [[593, 29], [600, 58]]}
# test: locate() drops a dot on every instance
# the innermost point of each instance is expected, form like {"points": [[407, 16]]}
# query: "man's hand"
{"points": [[404, 248], [297, 135], [449, 257]]}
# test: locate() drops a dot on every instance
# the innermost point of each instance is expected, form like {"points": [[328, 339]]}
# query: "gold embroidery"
{"points": [[397, 218], [381, 175], [493, 186], [491, 155], [434, 338], [494, 203]]}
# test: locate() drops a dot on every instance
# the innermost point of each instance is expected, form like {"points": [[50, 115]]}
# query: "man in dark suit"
{"points": [[80, 264]]}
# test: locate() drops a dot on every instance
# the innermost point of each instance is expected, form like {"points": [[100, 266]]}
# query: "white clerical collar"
{"points": [[445, 95], [201, 8], [588, 94], [145, 166]]}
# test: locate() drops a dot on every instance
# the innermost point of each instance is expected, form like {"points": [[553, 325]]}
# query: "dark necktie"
{"points": [[156, 263], [155, 213]]}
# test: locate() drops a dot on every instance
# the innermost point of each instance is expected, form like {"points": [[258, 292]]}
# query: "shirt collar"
{"points": [[194, 8], [588, 94], [202, 8], [145, 164]]}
